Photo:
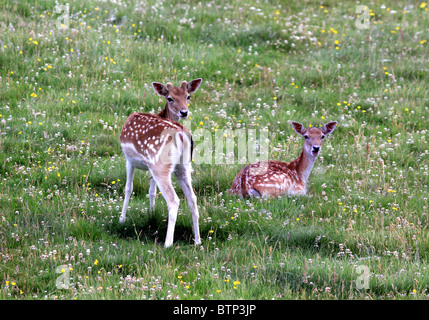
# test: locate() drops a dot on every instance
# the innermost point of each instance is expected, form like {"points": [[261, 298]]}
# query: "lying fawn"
{"points": [[161, 145], [275, 178]]}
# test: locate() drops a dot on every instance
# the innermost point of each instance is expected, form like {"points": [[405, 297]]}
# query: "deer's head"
{"points": [[177, 97], [313, 136]]}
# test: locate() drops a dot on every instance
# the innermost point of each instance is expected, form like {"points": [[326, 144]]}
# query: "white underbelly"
{"points": [[134, 157]]}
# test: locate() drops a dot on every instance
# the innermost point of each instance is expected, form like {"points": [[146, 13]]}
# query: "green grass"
{"points": [[65, 94]]}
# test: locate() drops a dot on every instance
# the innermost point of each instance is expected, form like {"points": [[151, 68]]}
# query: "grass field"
{"points": [[360, 233]]}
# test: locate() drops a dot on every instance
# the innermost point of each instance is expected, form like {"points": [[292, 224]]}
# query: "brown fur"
{"points": [[137, 129]]}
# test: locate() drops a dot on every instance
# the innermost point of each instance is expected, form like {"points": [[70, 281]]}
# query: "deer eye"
{"points": [[323, 137], [188, 97], [170, 99], [306, 137]]}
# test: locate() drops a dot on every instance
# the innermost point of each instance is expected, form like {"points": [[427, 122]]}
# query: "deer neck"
{"points": [[165, 113], [304, 164]]}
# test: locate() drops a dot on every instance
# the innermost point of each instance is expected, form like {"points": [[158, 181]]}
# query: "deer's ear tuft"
{"points": [[184, 85]]}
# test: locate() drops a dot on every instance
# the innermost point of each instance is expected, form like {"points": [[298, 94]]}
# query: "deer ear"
{"points": [[193, 85], [299, 128], [160, 89], [329, 127]]}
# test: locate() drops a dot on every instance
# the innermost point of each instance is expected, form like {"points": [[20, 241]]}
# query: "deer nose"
{"points": [[184, 113], [316, 149]]}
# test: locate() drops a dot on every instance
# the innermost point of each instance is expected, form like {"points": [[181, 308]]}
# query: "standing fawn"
{"points": [[176, 108], [161, 145], [275, 178]]}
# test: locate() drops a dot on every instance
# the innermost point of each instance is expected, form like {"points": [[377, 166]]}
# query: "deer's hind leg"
{"points": [[183, 175], [162, 176], [152, 194], [128, 189]]}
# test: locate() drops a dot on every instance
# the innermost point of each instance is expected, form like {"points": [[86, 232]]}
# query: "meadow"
{"points": [[66, 90]]}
